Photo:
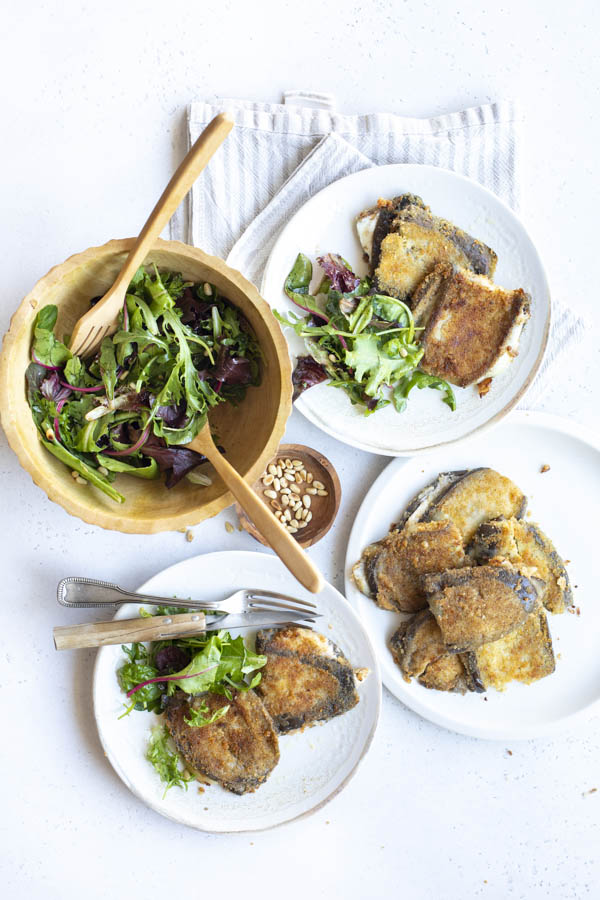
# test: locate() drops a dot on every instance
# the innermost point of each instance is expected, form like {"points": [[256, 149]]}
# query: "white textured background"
{"points": [[93, 98]]}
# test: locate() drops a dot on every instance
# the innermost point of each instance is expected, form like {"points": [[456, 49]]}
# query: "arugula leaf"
{"points": [[421, 380], [108, 367], [77, 464], [166, 762], [200, 715], [148, 470]]}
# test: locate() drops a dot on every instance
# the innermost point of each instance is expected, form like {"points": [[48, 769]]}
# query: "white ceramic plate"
{"points": [[314, 766], [564, 501], [326, 224]]}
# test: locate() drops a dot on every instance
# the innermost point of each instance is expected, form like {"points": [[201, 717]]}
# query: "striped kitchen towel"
{"points": [[280, 155]]}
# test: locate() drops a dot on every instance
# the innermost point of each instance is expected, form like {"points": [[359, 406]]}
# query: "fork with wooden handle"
{"points": [[101, 320]]}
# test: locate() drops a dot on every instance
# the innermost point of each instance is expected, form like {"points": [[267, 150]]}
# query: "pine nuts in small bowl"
{"points": [[302, 489]]}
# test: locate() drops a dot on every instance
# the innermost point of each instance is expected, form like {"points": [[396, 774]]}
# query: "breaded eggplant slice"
{"points": [[526, 546], [425, 499], [390, 569], [472, 326], [306, 679], [239, 751], [480, 495], [404, 242], [475, 606], [524, 655], [419, 651]]}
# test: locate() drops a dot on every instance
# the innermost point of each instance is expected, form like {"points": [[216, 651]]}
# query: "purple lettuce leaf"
{"points": [[173, 461], [171, 659], [52, 389], [341, 277], [307, 373], [173, 416], [232, 369], [193, 310]]}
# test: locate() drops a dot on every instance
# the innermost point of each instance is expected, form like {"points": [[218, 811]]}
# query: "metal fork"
{"points": [[87, 593]]}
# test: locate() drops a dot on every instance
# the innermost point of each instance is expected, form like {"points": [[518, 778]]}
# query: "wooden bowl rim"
{"points": [[325, 463], [98, 516]]}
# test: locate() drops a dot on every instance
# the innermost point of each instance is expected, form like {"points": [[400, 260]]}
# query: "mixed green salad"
{"points": [[212, 661], [365, 343], [180, 349]]}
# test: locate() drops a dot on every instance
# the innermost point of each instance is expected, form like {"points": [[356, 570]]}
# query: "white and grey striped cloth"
{"points": [[280, 155]]}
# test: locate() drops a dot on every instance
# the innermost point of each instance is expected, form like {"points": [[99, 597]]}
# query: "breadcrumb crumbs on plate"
{"points": [[189, 536], [509, 752], [229, 528], [545, 468], [483, 387], [591, 791]]}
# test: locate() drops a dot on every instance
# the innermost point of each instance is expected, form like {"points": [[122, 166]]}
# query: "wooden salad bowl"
{"points": [[250, 433]]}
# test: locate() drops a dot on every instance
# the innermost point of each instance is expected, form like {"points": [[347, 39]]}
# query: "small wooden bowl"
{"points": [[324, 509], [250, 433]]}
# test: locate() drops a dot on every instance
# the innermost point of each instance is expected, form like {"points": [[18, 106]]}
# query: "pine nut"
{"points": [[306, 500], [285, 500], [278, 514], [319, 485], [103, 470], [275, 504], [298, 514], [302, 474], [272, 495], [272, 470], [290, 476], [287, 515], [322, 493], [295, 488], [301, 524], [267, 480], [276, 484], [80, 480], [309, 477], [297, 463], [311, 490], [292, 529], [309, 516], [75, 474], [288, 464], [279, 472], [208, 289], [298, 478], [304, 513]]}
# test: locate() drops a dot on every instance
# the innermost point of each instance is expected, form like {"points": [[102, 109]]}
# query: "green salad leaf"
{"points": [[165, 759], [200, 715]]}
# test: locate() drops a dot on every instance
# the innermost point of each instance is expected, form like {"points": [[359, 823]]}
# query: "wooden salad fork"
{"points": [[101, 320]]}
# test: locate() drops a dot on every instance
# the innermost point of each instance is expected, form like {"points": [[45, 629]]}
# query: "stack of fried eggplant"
{"points": [[476, 580]]}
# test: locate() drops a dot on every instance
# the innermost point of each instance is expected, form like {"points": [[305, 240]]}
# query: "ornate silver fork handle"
{"points": [[85, 593]]}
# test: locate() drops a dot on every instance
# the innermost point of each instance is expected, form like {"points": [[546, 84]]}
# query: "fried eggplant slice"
{"points": [[480, 495], [472, 326], [306, 679], [389, 570], [424, 500], [475, 606], [404, 242], [239, 750], [526, 546], [418, 649], [524, 655]]}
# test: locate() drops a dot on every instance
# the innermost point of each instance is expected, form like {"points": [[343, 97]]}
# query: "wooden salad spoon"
{"points": [[278, 538], [101, 320]]}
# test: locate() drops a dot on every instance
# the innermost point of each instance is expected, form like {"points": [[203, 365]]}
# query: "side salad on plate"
{"points": [[365, 343], [211, 662], [180, 350]]}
